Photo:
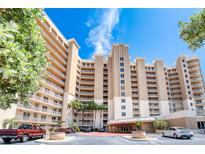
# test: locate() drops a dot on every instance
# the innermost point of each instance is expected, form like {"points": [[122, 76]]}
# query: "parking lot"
{"points": [[115, 139]]}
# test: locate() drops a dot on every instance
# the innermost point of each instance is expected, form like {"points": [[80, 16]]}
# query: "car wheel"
{"points": [[175, 136], [188, 137], [163, 134], [43, 136], [6, 140], [24, 138]]}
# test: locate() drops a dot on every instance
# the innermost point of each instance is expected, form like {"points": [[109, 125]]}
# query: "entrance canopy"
{"points": [[132, 120]]}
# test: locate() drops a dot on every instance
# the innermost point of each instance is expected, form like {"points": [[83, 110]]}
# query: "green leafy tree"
{"points": [[10, 123], [193, 32], [22, 55], [160, 124]]}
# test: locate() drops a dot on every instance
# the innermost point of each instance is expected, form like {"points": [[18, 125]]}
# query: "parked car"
{"points": [[101, 130], [87, 129], [24, 133], [178, 132], [66, 130]]}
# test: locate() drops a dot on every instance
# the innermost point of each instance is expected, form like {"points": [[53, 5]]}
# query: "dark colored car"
{"points": [[66, 130], [24, 133]]}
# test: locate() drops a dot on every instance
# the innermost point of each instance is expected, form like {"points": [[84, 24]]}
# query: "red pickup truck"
{"points": [[24, 132]]}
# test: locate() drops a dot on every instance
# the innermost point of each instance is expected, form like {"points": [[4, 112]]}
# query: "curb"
{"points": [[54, 141], [144, 139]]}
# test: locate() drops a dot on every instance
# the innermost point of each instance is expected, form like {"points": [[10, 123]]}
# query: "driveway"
{"points": [[117, 139]]}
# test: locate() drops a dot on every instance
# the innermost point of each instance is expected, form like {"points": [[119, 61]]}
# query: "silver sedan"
{"points": [[178, 132]]}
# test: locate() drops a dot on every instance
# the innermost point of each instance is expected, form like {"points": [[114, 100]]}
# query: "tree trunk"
{"points": [[100, 118], [83, 118]]}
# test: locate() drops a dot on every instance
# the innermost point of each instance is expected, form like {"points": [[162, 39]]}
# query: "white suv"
{"points": [[178, 132]]}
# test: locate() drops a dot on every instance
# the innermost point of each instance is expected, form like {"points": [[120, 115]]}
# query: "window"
{"points": [[184, 70], [121, 58], [122, 75], [122, 87], [186, 76], [184, 65], [121, 64], [123, 114], [183, 60], [122, 81], [122, 93], [123, 100], [122, 70], [187, 81], [123, 107]]}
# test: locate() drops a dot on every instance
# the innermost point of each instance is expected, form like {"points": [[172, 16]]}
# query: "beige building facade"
{"points": [[131, 91]]}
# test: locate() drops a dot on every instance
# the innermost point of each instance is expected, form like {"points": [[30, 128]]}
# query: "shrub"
{"points": [[77, 129], [160, 124], [138, 125]]}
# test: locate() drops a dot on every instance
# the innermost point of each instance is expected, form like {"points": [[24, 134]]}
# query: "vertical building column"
{"points": [[161, 87], [98, 87], [142, 86], [70, 82], [110, 91], [185, 84], [122, 96]]}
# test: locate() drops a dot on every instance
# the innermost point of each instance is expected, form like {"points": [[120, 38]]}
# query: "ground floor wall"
{"points": [[7, 114], [187, 122], [128, 128]]}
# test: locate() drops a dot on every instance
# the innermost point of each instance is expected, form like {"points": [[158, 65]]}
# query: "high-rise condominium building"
{"points": [[131, 91]]}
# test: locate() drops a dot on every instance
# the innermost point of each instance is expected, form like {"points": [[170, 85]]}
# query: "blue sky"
{"points": [[149, 33]]}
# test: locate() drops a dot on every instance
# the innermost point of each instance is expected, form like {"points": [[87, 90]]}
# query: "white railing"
{"points": [[54, 85], [56, 78], [23, 118], [49, 102], [51, 93], [39, 109], [54, 43], [55, 53]]}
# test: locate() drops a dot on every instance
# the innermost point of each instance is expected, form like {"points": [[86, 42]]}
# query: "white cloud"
{"points": [[100, 36]]}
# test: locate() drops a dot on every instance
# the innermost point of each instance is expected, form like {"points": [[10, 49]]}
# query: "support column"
{"points": [[142, 86]]}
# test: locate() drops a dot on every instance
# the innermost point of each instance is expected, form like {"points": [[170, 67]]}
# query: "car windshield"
{"points": [[182, 128]]}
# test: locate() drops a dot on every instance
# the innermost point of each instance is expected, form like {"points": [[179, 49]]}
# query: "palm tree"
{"points": [[75, 105], [92, 106], [10, 123], [101, 107], [59, 123], [84, 107]]}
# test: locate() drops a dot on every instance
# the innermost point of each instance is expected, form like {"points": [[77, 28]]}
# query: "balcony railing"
{"points": [[49, 102], [55, 44], [56, 54], [37, 120], [56, 70], [54, 85], [56, 62], [56, 78], [39, 109], [51, 93]]}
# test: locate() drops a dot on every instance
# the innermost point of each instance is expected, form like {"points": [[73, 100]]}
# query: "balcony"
{"points": [[44, 101], [87, 93], [51, 94], [39, 110], [200, 112], [198, 91], [92, 71], [195, 79], [193, 69], [55, 44], [62, 75], [91, 77], [54, 86], [196, 85], [56, 78], [35, 120], [57, 63], [87, 82], [56, 54]]}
